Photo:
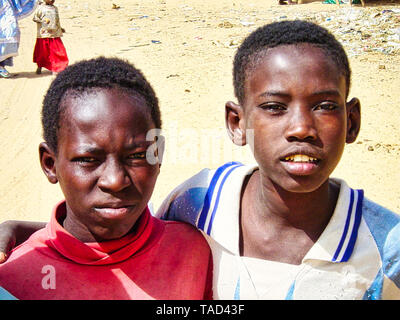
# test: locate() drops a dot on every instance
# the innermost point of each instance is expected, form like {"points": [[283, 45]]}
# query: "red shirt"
{"points": [[159, 260]]}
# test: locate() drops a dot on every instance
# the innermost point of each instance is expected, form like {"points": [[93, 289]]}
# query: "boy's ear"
{"points": [[234, 116], [353, 108], [47, 162]]}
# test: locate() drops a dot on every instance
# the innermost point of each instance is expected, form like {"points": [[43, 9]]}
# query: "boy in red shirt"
{"points": [[102, 242]]}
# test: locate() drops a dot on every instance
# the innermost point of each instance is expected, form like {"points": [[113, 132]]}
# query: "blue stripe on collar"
{"points": [[353, 220], [218, 197], [201, 224]]}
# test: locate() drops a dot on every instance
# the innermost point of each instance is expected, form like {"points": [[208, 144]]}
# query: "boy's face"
{"points": [[295, 101], [101, 162]]}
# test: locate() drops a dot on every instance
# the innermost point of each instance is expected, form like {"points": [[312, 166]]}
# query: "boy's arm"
{"points": [[186, 201], [14, 232], [38, 17]]}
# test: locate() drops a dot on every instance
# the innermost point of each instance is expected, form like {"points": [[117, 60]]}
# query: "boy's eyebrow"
{"points": [[88, 149], [287, 95], [97, 150], [333, 92], [274, 93]]}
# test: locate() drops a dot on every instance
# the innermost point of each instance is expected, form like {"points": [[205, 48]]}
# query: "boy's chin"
{"points": [[302, 184], [110, 234]]}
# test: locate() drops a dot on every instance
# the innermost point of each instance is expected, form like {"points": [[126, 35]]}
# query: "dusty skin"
{"points": [[185, 48]]}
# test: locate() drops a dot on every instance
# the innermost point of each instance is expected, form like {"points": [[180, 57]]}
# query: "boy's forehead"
{"points": [[294, 56], [91, 92], [95, 96], [102, 103], [278, 65], [104, 119], [308, 50]]}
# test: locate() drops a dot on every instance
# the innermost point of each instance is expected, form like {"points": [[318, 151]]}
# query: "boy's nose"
{"points": [[114, 177], [301, 126]]}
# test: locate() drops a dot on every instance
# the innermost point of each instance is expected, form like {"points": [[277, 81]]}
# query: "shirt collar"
{"points": [[223, 218], [99, 253], [337, 241]]}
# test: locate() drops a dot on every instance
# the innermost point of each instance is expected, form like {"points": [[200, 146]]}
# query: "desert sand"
{"points": [[185, 48]]}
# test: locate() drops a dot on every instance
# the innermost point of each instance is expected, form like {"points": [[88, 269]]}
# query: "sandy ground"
{"points": [[185, 48]]}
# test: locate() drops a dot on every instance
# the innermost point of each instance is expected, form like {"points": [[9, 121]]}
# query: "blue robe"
{"points": [[10, 12]]}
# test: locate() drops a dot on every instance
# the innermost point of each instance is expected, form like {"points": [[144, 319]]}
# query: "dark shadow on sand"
{"points": [[30, 75]]}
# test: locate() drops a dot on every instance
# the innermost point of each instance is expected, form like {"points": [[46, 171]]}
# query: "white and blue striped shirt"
{"points": [[356, 257]]}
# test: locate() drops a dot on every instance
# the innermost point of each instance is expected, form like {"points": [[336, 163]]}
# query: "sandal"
{"points": [[4, 73]]}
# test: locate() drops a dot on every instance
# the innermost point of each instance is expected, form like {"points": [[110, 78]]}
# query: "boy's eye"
{"points": [[273, 107], [85, 159], [326, 106], [137, 155]]}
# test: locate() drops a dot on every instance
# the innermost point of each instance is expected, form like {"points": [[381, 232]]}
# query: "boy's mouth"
{"points": [[300, 158], [114, 211], [300, 164]]}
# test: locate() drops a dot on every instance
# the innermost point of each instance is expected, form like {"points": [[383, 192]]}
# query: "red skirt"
{"points": [[50, 53]]}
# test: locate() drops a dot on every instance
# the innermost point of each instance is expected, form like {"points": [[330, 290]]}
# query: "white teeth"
{"points": [[300, 158]]}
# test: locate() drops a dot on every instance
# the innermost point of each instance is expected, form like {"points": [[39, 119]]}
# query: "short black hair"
{"points": [[287, 32], [90, 74]]}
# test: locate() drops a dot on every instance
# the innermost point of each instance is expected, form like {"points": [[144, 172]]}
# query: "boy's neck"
{"points": [[78, 230], [298, 209], [283, 218]]}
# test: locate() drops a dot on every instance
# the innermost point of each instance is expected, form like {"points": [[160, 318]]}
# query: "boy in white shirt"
{"points": [[283, 229]]}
